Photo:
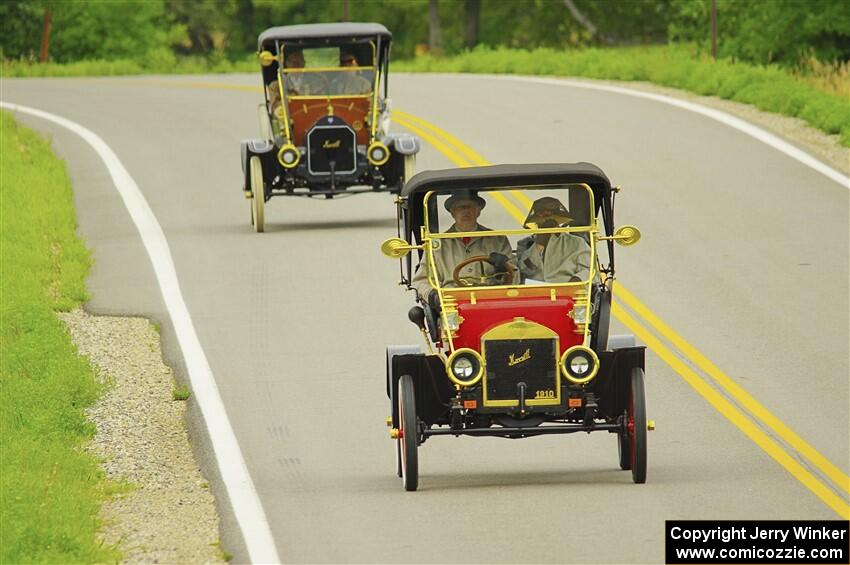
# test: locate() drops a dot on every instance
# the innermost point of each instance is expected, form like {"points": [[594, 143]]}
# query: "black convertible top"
{"points": [[340, 31], [505, 176], [496, 176]]}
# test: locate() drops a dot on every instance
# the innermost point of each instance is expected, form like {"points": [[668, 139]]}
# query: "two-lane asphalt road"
{"points": [[745, 256]]}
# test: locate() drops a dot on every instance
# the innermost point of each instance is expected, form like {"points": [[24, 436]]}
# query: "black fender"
{"points": [[612, 382], [601, 319], [265, 150], [402, 143], [430, 383]]}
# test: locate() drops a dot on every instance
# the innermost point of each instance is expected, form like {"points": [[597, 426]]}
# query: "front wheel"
{"points": [[408, 433], [258, 200], [636, 426]]}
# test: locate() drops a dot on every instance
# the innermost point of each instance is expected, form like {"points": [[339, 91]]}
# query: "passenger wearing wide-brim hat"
{"points": [[465, 206], [463, 195], [546, 209], [552, 257]]}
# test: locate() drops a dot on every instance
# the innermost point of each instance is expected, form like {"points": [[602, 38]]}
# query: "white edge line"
{"points": [[727, 119], [234, 472]]}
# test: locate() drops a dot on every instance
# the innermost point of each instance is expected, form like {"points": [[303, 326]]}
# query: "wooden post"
{"points": [[45, 36], [345, 13], [714, 29]]}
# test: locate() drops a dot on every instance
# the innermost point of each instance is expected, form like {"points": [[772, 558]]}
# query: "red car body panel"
{"points": [[484, 315]]}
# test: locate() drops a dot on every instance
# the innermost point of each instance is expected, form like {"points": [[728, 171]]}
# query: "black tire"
{"points": [[637, 427], [408, 433], [624, 449]]}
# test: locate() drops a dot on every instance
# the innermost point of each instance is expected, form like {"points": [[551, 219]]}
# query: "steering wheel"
{"points": [[482, 280]]}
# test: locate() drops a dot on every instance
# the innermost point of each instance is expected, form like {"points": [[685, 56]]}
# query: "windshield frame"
{"points": [[429, 238], [283, 72]]}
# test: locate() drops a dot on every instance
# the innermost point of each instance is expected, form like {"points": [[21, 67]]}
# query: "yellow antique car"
{"points": [[512, 268], [324, 122]]}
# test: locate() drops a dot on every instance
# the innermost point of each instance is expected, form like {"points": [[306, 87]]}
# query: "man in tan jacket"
{"points": [[558, 257], [465, 207]]}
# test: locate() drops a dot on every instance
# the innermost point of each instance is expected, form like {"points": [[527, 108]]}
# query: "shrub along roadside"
{"points": [[768, 88], [50, 489], [157, 62], [771, 88]]}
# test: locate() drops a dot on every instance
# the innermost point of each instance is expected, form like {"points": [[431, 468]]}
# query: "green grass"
{"points": [[50, 489], [771, 89], [180, 392], [822, 98], [161, 62]]}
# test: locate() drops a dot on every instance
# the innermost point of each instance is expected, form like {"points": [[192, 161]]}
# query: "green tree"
{"points": [[20, 33], [778, 31], [110, 30]]}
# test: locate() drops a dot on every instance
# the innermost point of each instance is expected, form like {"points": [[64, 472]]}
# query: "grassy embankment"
{"points": [[820, 96], [162, 63], [50, 489], [818, 93]]}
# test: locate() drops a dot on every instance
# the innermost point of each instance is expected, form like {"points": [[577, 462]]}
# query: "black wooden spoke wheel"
{"points": [[408, 441], [636, 429]]}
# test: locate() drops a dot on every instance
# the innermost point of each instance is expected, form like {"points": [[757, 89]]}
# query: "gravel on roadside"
{"points": [[168, 514]]}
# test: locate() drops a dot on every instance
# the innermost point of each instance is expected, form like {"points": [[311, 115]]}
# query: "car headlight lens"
{"points": [[378, 153], [465, 367], [288, 156], [579, 364]]}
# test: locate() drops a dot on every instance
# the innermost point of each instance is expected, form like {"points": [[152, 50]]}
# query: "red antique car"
{"points": [[514, 308]]}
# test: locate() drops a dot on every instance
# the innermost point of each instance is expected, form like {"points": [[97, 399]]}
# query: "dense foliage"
{"points": [[761, 32], [768, 88]]}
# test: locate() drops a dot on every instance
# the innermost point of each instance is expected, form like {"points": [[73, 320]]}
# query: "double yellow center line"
{"points": [[748, 414], [747, 408]]}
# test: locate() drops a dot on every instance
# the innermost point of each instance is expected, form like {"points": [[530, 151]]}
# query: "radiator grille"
{"points": [[335, 144], [510, 362]]}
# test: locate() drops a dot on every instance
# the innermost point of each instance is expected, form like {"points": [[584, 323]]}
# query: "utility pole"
{"points": [[45, 36], [714, 29]]}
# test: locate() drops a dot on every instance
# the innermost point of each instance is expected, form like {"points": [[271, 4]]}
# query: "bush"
{"points": [[769, 88]]}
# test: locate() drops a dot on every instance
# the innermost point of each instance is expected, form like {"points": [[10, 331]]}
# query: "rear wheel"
{"points": [[636, 426], [408, 441], [258, 200]]}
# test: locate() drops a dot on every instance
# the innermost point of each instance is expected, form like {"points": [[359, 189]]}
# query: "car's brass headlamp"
{"points": [[579, 364], [378, 153], [288, 156], [465, 367]]}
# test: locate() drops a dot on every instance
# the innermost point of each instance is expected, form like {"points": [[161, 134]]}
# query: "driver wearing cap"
{"points": [[465, 207], [552, 257]]}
